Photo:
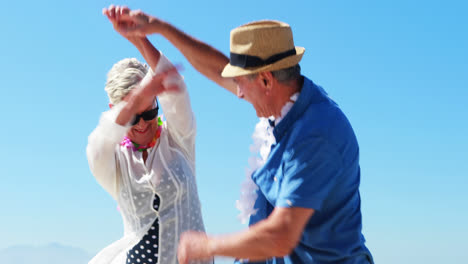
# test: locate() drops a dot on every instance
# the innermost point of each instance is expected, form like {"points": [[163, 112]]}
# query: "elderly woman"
{"points": [[147, 165]]}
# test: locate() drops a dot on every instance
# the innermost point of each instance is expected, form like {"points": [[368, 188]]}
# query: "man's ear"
{"points": [[266, 79], [110, 105]]}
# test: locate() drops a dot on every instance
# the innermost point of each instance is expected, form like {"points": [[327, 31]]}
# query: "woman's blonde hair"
{"points": [[123, 77]]}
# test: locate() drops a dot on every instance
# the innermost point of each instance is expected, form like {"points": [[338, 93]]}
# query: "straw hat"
{"points": [[258, 46]]}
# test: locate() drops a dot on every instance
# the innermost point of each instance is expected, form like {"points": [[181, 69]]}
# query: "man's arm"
{"points": [[203, 57], [275, 236]]}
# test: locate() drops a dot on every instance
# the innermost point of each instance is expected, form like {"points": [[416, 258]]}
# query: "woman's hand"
{"points": [[132, 23]]}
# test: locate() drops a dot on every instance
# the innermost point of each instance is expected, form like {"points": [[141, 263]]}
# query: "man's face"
{"points": [[251, 90]]}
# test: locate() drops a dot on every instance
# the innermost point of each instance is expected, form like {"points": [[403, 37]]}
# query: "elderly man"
{"points": [[308, 189]]}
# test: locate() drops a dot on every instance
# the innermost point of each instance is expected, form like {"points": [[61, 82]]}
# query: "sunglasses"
{"points": [[147, 115]]}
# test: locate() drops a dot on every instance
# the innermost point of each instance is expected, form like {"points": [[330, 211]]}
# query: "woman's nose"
{"points": [[140, 123]]}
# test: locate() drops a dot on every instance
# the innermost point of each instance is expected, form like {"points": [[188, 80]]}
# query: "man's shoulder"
{"points": [[325, 123], [318, 120]]}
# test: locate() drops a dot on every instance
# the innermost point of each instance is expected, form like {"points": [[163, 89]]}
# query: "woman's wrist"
{"points": [[137, 41]]}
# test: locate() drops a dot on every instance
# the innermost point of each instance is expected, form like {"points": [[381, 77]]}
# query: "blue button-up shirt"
{"points": [[315, 164]]}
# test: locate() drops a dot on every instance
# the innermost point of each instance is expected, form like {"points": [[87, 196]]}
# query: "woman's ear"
{"points": [[110, 105]]}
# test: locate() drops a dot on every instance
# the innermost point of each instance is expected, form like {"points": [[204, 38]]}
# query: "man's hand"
{"points": [[132, 23], [193, 246]]}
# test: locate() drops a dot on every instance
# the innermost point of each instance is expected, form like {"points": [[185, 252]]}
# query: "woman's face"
{"points": [[143, 132]]}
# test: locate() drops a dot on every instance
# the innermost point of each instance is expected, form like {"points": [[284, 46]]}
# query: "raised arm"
{"points": [[176, 105], [177, 108], [144, 46], [203, 57]]}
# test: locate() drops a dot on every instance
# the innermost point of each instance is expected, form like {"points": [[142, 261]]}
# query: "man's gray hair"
{"points": [[283, 75], [289, 74], [123, 77]]}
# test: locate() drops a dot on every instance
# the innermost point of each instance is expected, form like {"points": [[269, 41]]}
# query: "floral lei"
{"points": [[263, 138], [127, 142]]}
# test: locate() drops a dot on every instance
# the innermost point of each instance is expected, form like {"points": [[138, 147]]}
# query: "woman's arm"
{"points": [[170, 89], [101, 150], [177, 108]]}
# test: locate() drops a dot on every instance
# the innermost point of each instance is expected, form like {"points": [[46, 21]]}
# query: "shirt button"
{"points": [[275, 179], [289, 202]]}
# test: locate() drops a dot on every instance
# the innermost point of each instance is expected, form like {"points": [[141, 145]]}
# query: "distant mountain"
{"points": [[50, 254], [55, 254]]}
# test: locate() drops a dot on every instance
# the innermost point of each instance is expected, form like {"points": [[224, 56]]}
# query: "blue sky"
{"points": [[398, 69]]}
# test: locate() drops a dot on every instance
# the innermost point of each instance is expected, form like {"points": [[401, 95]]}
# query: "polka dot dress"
{"points": [[146, 251]]}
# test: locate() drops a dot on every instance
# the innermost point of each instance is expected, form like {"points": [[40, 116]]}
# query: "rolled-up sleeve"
{"points": [[177, 108]]}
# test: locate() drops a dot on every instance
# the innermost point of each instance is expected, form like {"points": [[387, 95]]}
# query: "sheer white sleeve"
{"points": [[177, 109], [101, 149]]}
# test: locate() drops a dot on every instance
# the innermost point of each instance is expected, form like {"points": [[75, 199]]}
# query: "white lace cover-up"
{"points": [[169, 172]]}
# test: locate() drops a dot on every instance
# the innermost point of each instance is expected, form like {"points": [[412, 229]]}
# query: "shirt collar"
{"points": [[284, 110], [303, 101]]}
